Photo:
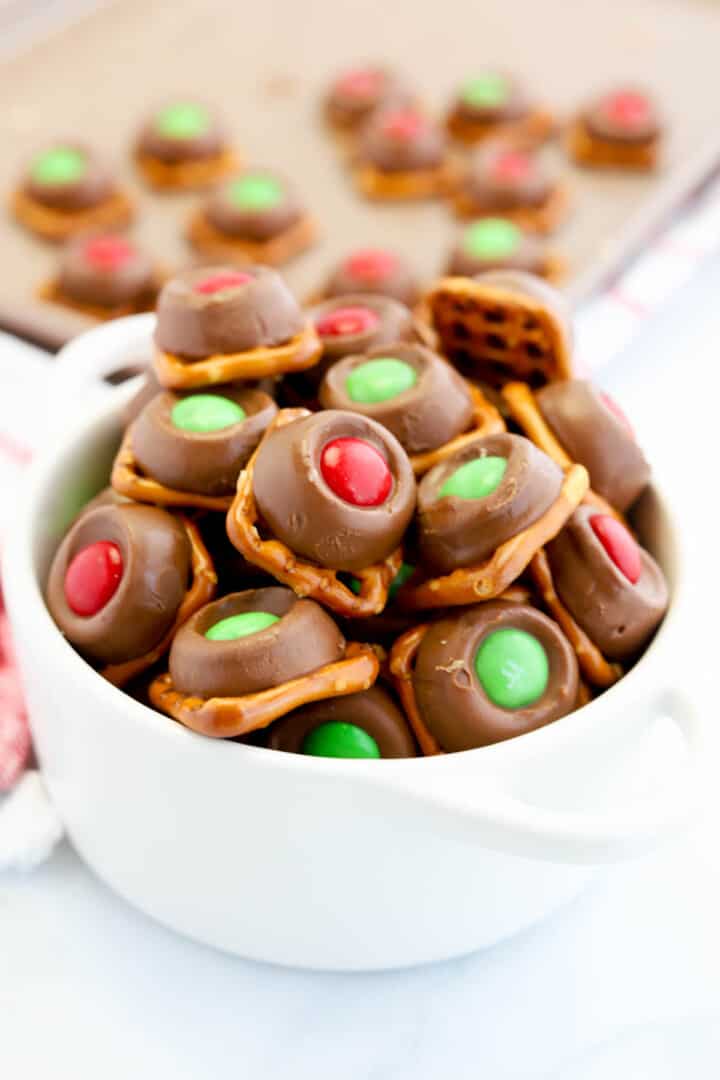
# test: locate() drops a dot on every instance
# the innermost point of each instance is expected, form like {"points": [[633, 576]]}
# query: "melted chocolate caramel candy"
{"points": [[105, 270], [213, 310], [627, 115], [611, 586], [502, 177], [356, 322], [376, 272], [408, 389], [251, 641], [402, 140], [480, 497], [364, 725], [182, 131], [595, 433], [357, 93], [68, 176], [495, 243], [254, 206], [118, 579], [494, 672], [491, 97], [336, 488], [200, 442]]}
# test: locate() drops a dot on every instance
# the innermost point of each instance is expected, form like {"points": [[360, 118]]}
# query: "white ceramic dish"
{"points": [[318, 862]]}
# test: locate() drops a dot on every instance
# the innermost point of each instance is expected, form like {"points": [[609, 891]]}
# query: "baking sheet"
{"points": [[266, 66]]}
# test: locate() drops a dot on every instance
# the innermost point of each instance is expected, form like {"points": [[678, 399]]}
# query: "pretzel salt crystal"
{"points": [[471, 584], [229, 717], [278, 560], [201, 591], [301, 352]]}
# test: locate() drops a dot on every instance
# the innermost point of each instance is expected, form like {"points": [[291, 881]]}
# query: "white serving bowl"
{"points": [[326, 863]]}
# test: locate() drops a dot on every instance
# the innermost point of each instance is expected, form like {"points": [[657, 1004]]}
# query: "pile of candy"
{"points": [[361, 530], [484, 158]]}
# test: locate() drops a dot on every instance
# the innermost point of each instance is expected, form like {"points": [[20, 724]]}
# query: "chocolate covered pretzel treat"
{"points": [[188, 449], [355, 323], [497, 243], [105, 276], [248, 659], [503, 179], [118, 579], [219, 324], [494, 672], [612, 587], [408, 389], [503, 325], [374, 271], [183, 146], [494, 103], [402, 154], [364, 725], [594, 431], [621, 129], [254, 217], [472, 503], [357, 93], [66, 190]]}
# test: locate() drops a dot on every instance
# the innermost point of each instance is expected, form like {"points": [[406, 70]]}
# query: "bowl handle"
{"points": [[506, 822], [80, 369]]}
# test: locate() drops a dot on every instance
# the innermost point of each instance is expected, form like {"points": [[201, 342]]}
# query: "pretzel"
{"points": [[524, 409], [534, 128], [402, 658], [127, 479], [225, 718], [373, 183], [201, 592], [301, 352], [486, 421], [502, 335], [185, 175], [536, 219], [52, 293], [471, 584], [58, 225], [607, 154], [275, 251], [305, 579], [596, 669]]}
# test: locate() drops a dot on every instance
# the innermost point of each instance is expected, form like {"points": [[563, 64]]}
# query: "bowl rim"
{"points": [[23, 588]]}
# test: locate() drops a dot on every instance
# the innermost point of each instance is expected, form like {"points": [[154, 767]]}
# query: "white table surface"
{"points": [[89, 988]]}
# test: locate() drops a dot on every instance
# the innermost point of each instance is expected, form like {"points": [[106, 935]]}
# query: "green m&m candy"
{"points": [[486, 91], [183, 120], [240, 626], [475, 479], [61, 165], [255, 192], [204, 413], [491, 238], [379, 380], [339, 740], [512, 667]]}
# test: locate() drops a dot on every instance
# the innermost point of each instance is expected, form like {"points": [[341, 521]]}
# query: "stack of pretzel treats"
{"points": [[362, 530]]}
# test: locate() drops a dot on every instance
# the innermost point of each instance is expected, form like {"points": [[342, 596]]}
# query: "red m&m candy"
{"points": [[347, 320], [628, 108], [108, 252], [356, 472], [512, 165], [220, 282], [92, 578], [619, 545], [360, 82], [404, 125], [370, 265]]}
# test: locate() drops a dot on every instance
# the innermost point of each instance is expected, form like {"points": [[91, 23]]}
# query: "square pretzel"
{"points": [[276, 251], [127, 479]]}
